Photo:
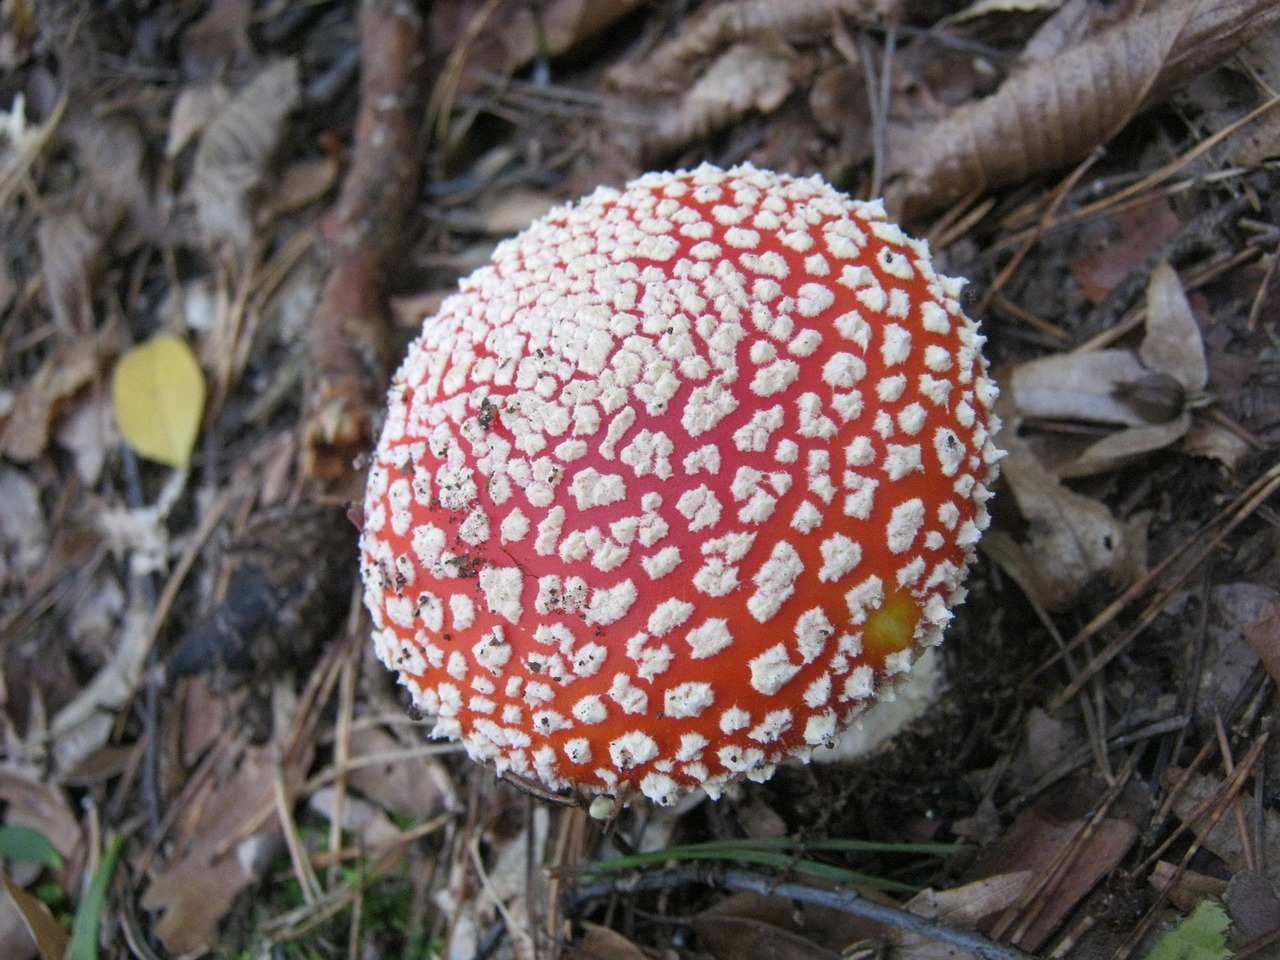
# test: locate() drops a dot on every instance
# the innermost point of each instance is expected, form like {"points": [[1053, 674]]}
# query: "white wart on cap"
{"points": [[677, 485]]}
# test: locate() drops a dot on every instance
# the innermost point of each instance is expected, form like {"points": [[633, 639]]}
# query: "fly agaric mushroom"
{"points": [[679, 484]]}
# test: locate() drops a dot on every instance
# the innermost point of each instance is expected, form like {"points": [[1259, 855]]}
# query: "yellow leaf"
{"points": [[158, 395]]}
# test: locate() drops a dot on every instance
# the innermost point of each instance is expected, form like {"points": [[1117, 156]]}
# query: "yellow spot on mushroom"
{"points": [[890, 628]]}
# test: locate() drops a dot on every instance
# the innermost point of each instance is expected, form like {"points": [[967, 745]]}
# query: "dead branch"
{"points": [[363, 233], [847, 901]]}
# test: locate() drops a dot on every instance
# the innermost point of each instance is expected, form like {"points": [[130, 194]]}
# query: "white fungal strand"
{"points": [[648, 476]]}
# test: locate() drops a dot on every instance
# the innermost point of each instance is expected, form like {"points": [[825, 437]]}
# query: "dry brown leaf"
{"points": [[219, 850], [1048, 741], [415, 787], [368, 826], [1263, 634], [595, 942], [788, 925], [969, 904], [231, 159], [559, 26], [726, 24], [510, 211], [982, 8], [1223, 839], [1070, 538], [304, 183], [730, 937], [85, 724], [24, 532], [1146, 392], [88, 433], [112, 152], [15, 938], [75, 362], [194, 109], [1260, 141], [70, 258], [1077, 386], [965, 906], [1173, 345], [217, 38], [32, 802], [1184, 887], [1036, 841], [1136, 232], [1067, 27], [1124, 447], [1228, 663], [1216, 443], [746, 77], [1253, 905], [49, 937], [1055, 111], [749, 925]]}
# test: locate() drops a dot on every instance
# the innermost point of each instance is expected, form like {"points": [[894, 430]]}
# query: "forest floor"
{"points": [[216, 244]]}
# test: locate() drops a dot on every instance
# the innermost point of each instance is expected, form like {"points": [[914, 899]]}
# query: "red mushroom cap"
{"points": [[679, 484]]}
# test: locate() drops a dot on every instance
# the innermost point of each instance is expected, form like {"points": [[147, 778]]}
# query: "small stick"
{"points": [[848, 901], [348, 348]]}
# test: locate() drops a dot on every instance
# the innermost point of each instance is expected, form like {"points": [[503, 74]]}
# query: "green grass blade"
{"points": [[28, 845], [84, 929]]}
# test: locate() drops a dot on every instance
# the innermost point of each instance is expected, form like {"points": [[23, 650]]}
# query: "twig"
{"points": [[365, 231], [847, 901]]}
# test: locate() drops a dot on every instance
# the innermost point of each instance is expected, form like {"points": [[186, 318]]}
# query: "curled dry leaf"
{"points": [[24, 532], [982, 8], [729, 23], [112, 153], [746, 77], [43, 931], [595, 942], [194, 109], [559, 26], [1077, 386], [72, 365], [70, 258], [965, 906], [1144, 392], [1070, 539], [1055, 111], [1173, 344], [231, 159]]}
